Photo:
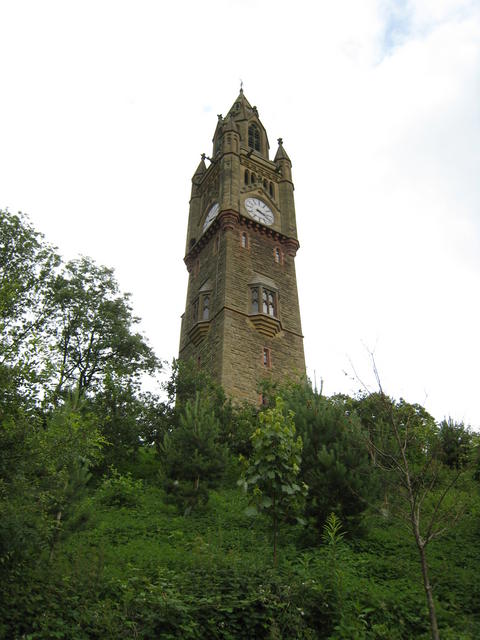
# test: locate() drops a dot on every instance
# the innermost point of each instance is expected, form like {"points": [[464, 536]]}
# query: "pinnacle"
{"points": [[202, 167], [281, 153]]}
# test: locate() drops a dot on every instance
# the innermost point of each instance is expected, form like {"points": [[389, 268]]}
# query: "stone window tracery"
{"points": [[263, 300]]}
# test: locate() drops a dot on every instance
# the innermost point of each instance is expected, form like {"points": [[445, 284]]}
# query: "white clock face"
{"points": [[259, 211], [211, 215]]}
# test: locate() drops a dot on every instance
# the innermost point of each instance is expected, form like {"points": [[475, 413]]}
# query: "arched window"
{"points": [[244, 240], [277, 255], [254, 137]]}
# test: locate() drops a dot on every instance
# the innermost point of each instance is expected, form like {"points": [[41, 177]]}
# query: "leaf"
{"points": [[251, 511]]}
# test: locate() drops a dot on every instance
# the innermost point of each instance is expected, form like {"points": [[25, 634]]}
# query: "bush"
{"points": [[119, 490]]}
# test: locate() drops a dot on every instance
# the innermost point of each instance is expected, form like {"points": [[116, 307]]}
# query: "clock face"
{"points": [[211, 215], [259, 211]]}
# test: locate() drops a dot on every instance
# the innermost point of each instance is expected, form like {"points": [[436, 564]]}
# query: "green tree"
{"points": [[407, 448], [27, 267], [194, 458], [65, 449], [120, 410], [271, 473], [335, 464], [456, 443], [93, 330]]}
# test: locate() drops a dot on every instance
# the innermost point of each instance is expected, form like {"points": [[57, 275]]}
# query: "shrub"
{"points": [[120, 490]]}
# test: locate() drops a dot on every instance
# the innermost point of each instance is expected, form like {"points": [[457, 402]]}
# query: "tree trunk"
{"points": [[56, 533], [274, 533], [428, 591]]}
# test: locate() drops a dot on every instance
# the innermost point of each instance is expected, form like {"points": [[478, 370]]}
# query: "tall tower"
{"points": [[242, 317]]}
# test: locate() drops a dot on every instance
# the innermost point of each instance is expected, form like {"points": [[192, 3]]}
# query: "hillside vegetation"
{"points": [[124, 514]]}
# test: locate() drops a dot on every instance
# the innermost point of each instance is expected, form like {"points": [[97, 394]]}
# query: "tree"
{"points": [[119, 409], [335, 464], [93, 331], [27, 268], [193, 456], [407, 446], [271, 473], [456, 443]]}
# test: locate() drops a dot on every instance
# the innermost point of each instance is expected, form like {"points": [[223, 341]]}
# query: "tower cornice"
{"points": [[230, 219]]}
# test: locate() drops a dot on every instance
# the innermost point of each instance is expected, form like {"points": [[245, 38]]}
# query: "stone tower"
{"points": [[242, 318]]}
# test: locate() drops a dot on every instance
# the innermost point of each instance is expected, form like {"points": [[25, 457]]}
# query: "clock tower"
{"points": [[242, 317]]}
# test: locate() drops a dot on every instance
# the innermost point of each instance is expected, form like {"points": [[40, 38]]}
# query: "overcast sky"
{"points": [[106, 106]]}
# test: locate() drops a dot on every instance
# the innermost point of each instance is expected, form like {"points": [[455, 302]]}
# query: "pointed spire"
{"points": [[281, 153], [241, 108]]}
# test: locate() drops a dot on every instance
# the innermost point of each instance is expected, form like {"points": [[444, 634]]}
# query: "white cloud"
{"points": [[107, 106]]}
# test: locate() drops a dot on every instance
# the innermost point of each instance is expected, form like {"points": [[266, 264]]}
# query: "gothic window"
{"points": [[269, 302], [263, 300], [254, 301], [278, 255], [254, 137], [244, 240], [201, 307]]}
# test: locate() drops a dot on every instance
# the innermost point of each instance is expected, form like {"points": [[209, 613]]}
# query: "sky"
{"points": [[106, 106]]}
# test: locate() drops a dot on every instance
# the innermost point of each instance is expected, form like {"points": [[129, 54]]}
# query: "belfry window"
{"points": [[254, 137]]}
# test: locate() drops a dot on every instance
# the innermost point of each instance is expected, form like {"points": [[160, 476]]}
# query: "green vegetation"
{"points": [[122, 515]]}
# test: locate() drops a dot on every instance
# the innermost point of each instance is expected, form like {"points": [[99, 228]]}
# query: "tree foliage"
{"points": [[406, 444], [335, 464], [271, 474], [193, 457], [27, 268], [93, 330]]}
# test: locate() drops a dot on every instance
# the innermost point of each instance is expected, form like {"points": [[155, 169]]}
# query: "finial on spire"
{"points": [[280, 141], [203, 157], [241, 85]]}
